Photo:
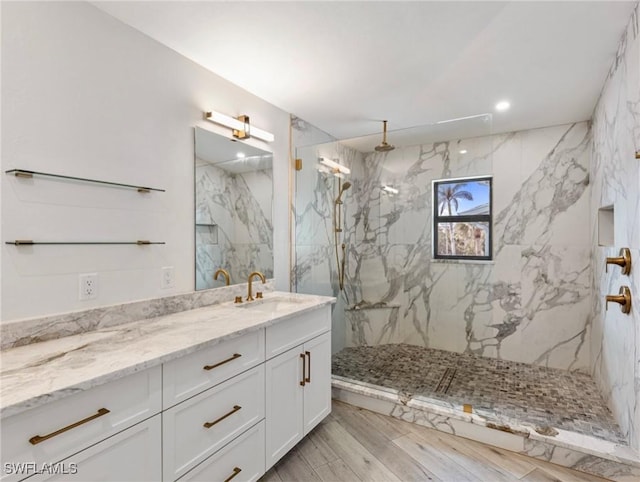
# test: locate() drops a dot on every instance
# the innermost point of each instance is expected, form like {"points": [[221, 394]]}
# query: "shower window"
{"points": [[462, 218]]}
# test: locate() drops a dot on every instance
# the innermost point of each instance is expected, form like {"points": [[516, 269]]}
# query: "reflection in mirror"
{"points": [[233, 202]]}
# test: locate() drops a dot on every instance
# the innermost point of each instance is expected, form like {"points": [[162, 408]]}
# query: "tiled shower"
{"points": [[533, 314]]}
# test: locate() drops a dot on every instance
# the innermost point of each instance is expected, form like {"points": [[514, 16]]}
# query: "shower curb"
{"points": [[569, 449]]}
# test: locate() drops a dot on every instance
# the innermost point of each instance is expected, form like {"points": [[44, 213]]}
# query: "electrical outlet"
{"points": [[88, 286], [168, 278]]}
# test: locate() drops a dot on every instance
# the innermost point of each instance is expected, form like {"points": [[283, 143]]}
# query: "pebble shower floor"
{"points": [[540, 396]]}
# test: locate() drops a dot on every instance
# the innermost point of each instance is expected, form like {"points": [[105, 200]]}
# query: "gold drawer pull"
{"points": [[304, 369], [308, 379], [231, 358], [41, 438], [236, 471], [211, 424]]}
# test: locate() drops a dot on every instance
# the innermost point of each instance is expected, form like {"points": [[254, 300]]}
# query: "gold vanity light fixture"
{"points": [[241, 126], [335, 167]]}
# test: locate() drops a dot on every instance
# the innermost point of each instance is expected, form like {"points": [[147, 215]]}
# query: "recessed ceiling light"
{"points": [[502, 106], [240, 155], [463, 151]]}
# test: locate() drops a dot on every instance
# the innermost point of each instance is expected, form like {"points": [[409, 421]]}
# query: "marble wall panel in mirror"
{"points": [[233, 203]]}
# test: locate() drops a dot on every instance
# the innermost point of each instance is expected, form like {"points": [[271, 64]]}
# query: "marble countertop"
{"points": [[35, 374]]}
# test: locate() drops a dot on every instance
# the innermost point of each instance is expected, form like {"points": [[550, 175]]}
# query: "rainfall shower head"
{"points": [[384, 146], [344, 187]]}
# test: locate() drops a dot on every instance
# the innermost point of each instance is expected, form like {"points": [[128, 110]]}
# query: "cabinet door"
{"points": [[131, 455], [317, 390], [284, 410]]}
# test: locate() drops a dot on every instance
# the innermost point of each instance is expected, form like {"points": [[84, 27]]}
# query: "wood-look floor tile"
{"points": [[565, 474], [377, 442], [539, 475], [271, 476], [432, 459], [464, 456], [336, 471], [353, 445], [294, 468], [316, 450], [511, 462], [359, 459]]}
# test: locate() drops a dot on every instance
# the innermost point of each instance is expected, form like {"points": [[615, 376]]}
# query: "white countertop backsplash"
{"points": [[37, 373]]}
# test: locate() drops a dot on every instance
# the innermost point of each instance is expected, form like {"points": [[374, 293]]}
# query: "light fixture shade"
{"points": [[242, 129]]}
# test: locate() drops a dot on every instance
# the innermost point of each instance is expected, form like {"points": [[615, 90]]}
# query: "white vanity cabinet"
{"points": [[48, 434], [227, 411], [298, 380]]}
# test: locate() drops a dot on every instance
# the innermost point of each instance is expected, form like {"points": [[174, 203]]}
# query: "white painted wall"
{"points": [[85, 95]]}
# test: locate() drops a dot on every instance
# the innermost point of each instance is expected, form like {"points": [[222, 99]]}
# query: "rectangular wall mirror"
{"points": [[233, 203]]}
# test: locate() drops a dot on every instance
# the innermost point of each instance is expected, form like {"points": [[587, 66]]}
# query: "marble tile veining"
{"points": [[542, 397], [615, 185]]}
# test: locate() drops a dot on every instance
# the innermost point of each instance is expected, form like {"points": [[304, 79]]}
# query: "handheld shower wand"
{"points": [[337, 228]]}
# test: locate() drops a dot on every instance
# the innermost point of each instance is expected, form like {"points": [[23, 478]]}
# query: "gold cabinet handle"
{"points": [[308, 379], [41, 438], [231, 358], [304, 369], [234, 410], [236, 471]]}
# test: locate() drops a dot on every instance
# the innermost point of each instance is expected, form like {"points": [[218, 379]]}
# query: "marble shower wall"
{"points": [[615, 180], [234, 228], [531, 304]]}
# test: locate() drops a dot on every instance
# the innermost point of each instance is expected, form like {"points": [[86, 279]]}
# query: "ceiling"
{"points": [[345, 66]]}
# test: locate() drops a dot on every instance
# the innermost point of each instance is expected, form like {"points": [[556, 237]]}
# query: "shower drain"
{"points": [[445, 381]]}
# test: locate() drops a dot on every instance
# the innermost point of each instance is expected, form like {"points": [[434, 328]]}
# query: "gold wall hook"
{"points": [[624, 261], [623, 299]]}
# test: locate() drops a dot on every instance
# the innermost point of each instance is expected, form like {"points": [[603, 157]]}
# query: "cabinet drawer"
{"points": [[242, 459], [131, 455], [295, 331], [196, 428], [192, 374], [66, 426]]}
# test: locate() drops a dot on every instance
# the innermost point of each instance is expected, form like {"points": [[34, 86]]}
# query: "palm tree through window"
{"points": [[462, 218]]}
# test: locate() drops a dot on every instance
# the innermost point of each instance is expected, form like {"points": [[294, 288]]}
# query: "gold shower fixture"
{"points": [[623, 299], [337, 229], [624, 261], [384, 146]]}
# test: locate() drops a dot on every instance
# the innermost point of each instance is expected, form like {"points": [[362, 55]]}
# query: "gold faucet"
{"points": [[261, 276], [623, 299], [224, 273]]}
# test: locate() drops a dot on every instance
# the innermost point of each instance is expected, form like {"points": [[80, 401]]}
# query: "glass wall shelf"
{"points": [[29, 174], [29, 242]]}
